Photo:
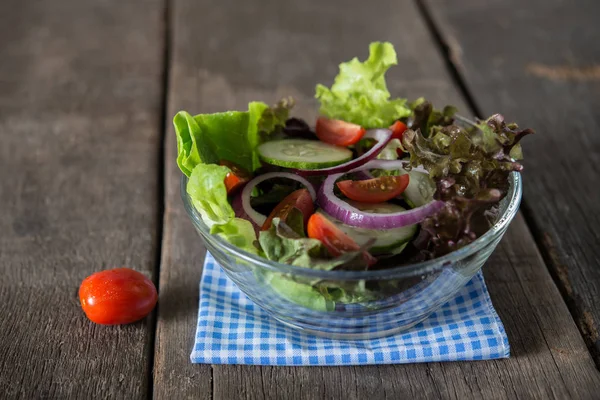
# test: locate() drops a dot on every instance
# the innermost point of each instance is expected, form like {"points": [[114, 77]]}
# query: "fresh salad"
{"points": [[374, 182]]}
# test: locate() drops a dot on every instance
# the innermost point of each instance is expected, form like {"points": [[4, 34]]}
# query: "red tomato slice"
{"points": [[300, 199], [376, 190], [339, 133], [117, 296], [398, 129], [236, 178], [336, 241]]}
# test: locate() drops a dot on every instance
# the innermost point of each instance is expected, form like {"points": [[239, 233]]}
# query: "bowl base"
{"points": [[348, 335]]}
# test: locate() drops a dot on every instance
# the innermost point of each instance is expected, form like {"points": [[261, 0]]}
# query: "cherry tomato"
{"points": [[117, 296], [300, 199], [339, 133], [398, 129], [336, 241], [376, 190], [236, 178]]}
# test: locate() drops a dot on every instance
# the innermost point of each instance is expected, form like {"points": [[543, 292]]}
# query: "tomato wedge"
{"points": [[300, 199], [376, 190], [336, 241], [337, 132], [398, 129], [236, 178]]}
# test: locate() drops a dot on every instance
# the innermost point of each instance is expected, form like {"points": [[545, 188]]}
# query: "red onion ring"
{"points": [[352, 216], [382, 136], [238, 208], [256, 217]]}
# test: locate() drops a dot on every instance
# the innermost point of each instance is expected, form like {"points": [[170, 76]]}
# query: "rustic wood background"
{"points": [[88, 181]]}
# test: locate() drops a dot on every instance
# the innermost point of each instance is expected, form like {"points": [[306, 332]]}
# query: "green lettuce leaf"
{"points": [[231, 135], [282, 244], [359, 93], [207, 190], [285, 244], [300, 293], [238, 232]]}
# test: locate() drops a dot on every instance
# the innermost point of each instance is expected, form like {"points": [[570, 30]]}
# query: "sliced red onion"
{"points": [[352, 216], [382, 136], [238, 208], [256, 217]]}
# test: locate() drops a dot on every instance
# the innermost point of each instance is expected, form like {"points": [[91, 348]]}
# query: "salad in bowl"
{"points": [[361, 223]]}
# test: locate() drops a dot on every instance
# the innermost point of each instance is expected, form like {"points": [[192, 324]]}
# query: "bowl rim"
{"points": [[514, 196]]}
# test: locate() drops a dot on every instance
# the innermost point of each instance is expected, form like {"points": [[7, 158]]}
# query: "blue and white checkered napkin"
{"points": [[233, 330]]}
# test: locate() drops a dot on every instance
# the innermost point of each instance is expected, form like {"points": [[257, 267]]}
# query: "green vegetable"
{"points": [[231, 135], [303, 154], [390, 151], [283, 244], [425, 117], [300, 293], [470, 169], [359, 93], [207, 190], [238, 232]]}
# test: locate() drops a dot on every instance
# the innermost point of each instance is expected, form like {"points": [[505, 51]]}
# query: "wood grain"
{"points": [[228, 54], [79, 132], [538, 63]]}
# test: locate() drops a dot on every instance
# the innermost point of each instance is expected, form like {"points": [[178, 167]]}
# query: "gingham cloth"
{"points": [[233, 330]]}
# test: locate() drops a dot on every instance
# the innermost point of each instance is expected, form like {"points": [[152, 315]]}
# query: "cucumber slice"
{"points": [[420, 189], [387, 241], [303, 154]]}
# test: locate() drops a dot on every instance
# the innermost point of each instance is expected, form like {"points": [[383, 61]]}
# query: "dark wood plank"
{"points": [[263, 50], [538, 62], [79, 131]]}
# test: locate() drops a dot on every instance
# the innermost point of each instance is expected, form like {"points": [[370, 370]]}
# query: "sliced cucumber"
{"points": [[420, 189], [303, 154], [387, 241]]}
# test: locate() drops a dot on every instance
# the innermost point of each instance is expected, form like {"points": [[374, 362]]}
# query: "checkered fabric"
{"points": [[233, 330]]}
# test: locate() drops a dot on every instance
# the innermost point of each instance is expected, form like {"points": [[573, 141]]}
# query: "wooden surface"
{"points": [[91, 88], [538, 62], [80, 99]]}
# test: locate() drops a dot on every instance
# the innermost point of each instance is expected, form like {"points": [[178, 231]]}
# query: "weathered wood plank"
{"points": [[263, 50], [79, 131], [539, 63]]}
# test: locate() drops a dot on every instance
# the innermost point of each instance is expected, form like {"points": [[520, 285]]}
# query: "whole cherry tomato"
{"points": [[117, 296]]}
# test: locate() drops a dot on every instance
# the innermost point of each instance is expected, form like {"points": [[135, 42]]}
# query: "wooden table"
{"points": [[88, 181]]}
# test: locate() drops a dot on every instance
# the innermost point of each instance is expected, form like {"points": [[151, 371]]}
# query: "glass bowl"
{"points": [[344, 304]]}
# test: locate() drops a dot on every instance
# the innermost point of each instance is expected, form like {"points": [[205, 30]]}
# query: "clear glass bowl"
{"points": [[407, 294]]}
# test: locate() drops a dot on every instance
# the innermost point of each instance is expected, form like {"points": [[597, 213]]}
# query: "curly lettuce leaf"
{"points": [[425, 117], [359, 93], [471, 170], [231, 135], [207, 190], [238, 232], [501, 138]]}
